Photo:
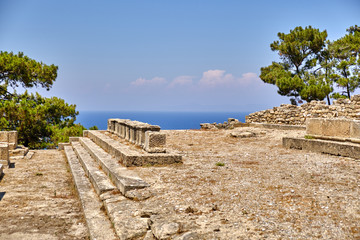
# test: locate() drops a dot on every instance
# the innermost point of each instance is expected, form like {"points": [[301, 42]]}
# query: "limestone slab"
{"points": [[99, 225], [97, 177], [324, 146], [129, 157], [123, 178]]}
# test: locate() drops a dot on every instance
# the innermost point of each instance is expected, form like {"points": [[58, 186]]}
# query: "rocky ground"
{"points": [[38, 200], [252, 188], [233, 184]]}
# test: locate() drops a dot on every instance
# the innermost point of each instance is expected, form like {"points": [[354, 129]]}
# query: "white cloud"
{"points": [[214, 78], [182, 81], [148, 82], [249, 78]]}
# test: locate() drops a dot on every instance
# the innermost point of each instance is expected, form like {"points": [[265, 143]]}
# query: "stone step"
{"points": [[123, 178], [127, 155], [97, 177], [1, 171], [345, 149], [99, 225]]}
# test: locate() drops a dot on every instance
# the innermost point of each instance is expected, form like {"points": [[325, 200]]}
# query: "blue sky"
{"points": [[187, 55]]}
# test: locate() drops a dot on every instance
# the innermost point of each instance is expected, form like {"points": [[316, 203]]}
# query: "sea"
{"points": [[166, 120]]}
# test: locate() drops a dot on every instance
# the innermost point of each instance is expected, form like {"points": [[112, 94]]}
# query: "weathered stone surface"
{"points": [[97, 177], [4, 136], [188, 236], [129, 157], [124, 179], [335, 127], [13, 139], [127, 226], [100, 227], [1, 170], [242, 134], [207, 126], [324, 146], [73, 139], [149, 236], [355, 129], [164, 230], [139, 194], [155, 142], [30, 154], [297, 115], [4, 153], [62, 145], [20, 151]]}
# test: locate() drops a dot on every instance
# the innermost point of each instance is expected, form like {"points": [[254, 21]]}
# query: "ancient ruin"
{"points": [[337, 136], [297, 115], [104, 157], [10, 150]]}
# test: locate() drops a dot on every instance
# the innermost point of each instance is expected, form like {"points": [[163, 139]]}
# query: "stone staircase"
{"points": [[109, 191]]}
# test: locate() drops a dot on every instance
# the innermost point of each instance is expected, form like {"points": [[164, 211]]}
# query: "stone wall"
{"points": [[297, 115]]}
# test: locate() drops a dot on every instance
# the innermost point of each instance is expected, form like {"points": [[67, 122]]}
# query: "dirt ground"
{"points": [[226, 188], [38, 200], [253, 188]]}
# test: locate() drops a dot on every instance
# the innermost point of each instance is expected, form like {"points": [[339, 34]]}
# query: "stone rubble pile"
{"points": [[230, 124], [297, 115]]}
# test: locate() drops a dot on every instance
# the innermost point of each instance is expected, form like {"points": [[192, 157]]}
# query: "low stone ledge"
{"points": [[132, 131], [324, 146], [124, 178], [20, 151], [132, 157], [62, 145], [278, 126], [97, 221], [73, 139], [335, 127]]}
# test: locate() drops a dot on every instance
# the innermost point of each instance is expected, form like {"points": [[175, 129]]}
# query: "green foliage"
{"points": [[299, 51], [311, 65], [37, 119], [20, 70], [220, 164], [94, 128], [63, 134], [299, 47], [40, 122], [345, 52], [309, 137]]}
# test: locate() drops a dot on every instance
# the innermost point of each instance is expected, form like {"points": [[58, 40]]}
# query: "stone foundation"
{"points": [[297, 115], [4, 154], [336, 127], [135, 132]]}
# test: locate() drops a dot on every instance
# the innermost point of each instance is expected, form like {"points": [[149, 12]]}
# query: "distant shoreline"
{"points": [[166, 120]]}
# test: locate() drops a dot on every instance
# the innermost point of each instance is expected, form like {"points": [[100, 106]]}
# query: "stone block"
{"points": [[73, 139], [62, 145], [4, 136], [4, 153], [335, 127], [85, 133], [323, 146], [155, 142], [355, 129], [12, 139]]}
